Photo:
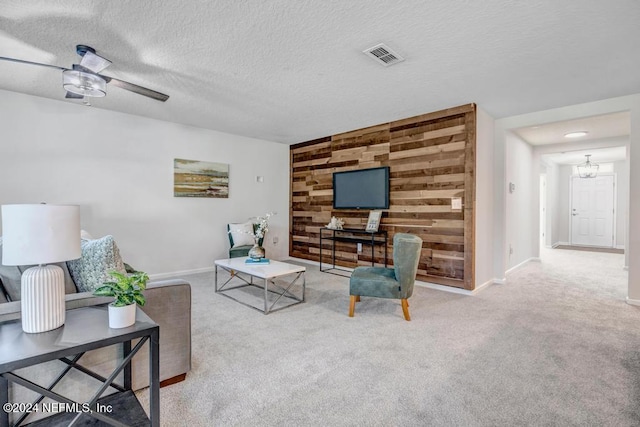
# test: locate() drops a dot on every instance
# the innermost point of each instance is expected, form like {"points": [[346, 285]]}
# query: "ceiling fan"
{"points": [[84, 79]]}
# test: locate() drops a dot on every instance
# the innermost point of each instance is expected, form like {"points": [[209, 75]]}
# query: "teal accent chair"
{"points": [[396, 282], [241, 251]]}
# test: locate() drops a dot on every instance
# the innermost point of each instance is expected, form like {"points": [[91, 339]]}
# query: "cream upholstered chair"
{"points": [[396, 282]]}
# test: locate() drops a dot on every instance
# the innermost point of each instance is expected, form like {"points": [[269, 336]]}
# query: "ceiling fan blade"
{"points": [[93, 62], [71, 95], [135, 88], [21, 61]]}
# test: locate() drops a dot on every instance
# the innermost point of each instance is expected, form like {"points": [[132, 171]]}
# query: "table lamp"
{"points": [[41, 234]]}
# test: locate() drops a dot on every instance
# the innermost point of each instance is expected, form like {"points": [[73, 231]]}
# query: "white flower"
{"points": [[262, 223]]}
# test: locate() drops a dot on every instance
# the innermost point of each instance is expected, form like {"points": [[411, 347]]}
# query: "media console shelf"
{"points": [[352, 235]]}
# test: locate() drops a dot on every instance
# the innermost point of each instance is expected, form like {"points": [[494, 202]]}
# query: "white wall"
{"points": [[621, 168], [484, 198], [521, 208], [119, 169]]}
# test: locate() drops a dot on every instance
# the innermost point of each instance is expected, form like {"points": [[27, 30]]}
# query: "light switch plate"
{"points": [[456, 203]]}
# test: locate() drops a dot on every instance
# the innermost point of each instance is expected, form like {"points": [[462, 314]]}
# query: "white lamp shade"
{"points": [[40, 234]]}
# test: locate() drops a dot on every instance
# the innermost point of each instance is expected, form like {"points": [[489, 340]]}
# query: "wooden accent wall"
{"points": [[431, 159]]}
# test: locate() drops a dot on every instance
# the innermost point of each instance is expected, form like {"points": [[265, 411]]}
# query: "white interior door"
{"points": [[592, 211]]}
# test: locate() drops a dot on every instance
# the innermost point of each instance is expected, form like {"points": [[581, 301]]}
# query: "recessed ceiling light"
{"points": [[577, 134]]}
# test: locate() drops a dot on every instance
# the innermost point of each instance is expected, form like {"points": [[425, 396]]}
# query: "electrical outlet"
{"points": [[359, 248], [275, 240]]}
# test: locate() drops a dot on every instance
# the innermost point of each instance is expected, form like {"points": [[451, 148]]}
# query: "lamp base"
{"points": [[42, 298]]}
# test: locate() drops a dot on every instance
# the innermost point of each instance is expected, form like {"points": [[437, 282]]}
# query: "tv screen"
{"points": [[361, 189]]}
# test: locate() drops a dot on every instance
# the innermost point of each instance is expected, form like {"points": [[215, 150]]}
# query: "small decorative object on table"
{"points": [[127, 290], [374, 220], [261, 228], [335, 223], [256, 261]]}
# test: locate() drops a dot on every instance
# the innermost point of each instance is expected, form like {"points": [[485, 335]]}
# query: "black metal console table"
{"points": [[85, 329], [352, 235]]}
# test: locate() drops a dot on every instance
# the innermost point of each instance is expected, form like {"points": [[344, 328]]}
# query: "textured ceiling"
{"points": [[290, 71]]}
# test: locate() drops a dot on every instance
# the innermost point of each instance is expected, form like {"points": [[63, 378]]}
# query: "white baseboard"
{"points": [[633, 301], [455, 290], [515, 267], [181, 273], [556, 244]]}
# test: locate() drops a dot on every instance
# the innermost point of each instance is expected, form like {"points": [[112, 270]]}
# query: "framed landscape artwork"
{"points": [[194, 178]]}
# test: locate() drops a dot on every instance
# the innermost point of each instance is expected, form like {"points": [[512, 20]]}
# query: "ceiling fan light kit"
{"points": [[84, 79], [85, 84]]}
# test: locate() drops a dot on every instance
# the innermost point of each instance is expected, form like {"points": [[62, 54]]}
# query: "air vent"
{"points": [[383, 54]]}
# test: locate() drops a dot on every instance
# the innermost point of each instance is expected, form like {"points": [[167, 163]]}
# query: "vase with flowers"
{"points": [[260, 228]]}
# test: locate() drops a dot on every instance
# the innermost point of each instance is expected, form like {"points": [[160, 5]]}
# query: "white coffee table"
{"points": [[268, 273]]}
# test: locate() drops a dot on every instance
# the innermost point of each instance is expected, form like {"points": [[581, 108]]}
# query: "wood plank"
{"points": [[454, 146], [463, 109], [302, 147], [427, 194]]}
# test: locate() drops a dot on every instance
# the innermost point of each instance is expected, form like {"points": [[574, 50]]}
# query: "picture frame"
{"points": [[374, 221], [196, 178]]}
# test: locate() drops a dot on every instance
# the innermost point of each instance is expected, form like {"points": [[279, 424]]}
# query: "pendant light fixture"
{"points": [[588, 169]]}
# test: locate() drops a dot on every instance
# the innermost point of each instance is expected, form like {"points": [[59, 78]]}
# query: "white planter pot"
{"points": [[122, 317]]}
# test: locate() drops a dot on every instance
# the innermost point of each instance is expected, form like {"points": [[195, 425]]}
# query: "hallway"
{"points": [[602, 273]]}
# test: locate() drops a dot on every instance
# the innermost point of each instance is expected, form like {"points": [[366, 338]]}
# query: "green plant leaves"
{"points": [[127, 289]]}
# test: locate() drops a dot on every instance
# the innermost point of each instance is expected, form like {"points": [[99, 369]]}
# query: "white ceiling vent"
{"points": [[383, 54]]}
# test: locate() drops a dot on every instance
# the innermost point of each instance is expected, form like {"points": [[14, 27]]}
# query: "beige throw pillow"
{"points": [[242, 234]]}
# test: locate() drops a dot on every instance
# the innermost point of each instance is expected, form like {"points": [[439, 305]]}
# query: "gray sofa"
{"points": [[168, 304]]}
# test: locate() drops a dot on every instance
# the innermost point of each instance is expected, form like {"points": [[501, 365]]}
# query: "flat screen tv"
{"points": [[361, 189]]}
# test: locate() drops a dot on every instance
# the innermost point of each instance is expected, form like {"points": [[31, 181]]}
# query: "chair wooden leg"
{"points": [[352, 305], [357, 298], [405, 309]]}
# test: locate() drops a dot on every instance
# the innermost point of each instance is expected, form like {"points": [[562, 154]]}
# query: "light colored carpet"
{"points": [[556, 345]]}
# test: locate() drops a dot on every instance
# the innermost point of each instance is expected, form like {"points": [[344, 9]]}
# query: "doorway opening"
{"points": [[582, 221]]}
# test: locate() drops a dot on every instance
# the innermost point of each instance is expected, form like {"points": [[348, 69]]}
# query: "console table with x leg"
{"points": [[84, 329]]}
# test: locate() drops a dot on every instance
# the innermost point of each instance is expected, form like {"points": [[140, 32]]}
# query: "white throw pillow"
{"points": [[242, 234]]}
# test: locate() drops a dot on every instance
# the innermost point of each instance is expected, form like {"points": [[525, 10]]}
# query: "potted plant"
{"points": [[127, 290]]}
